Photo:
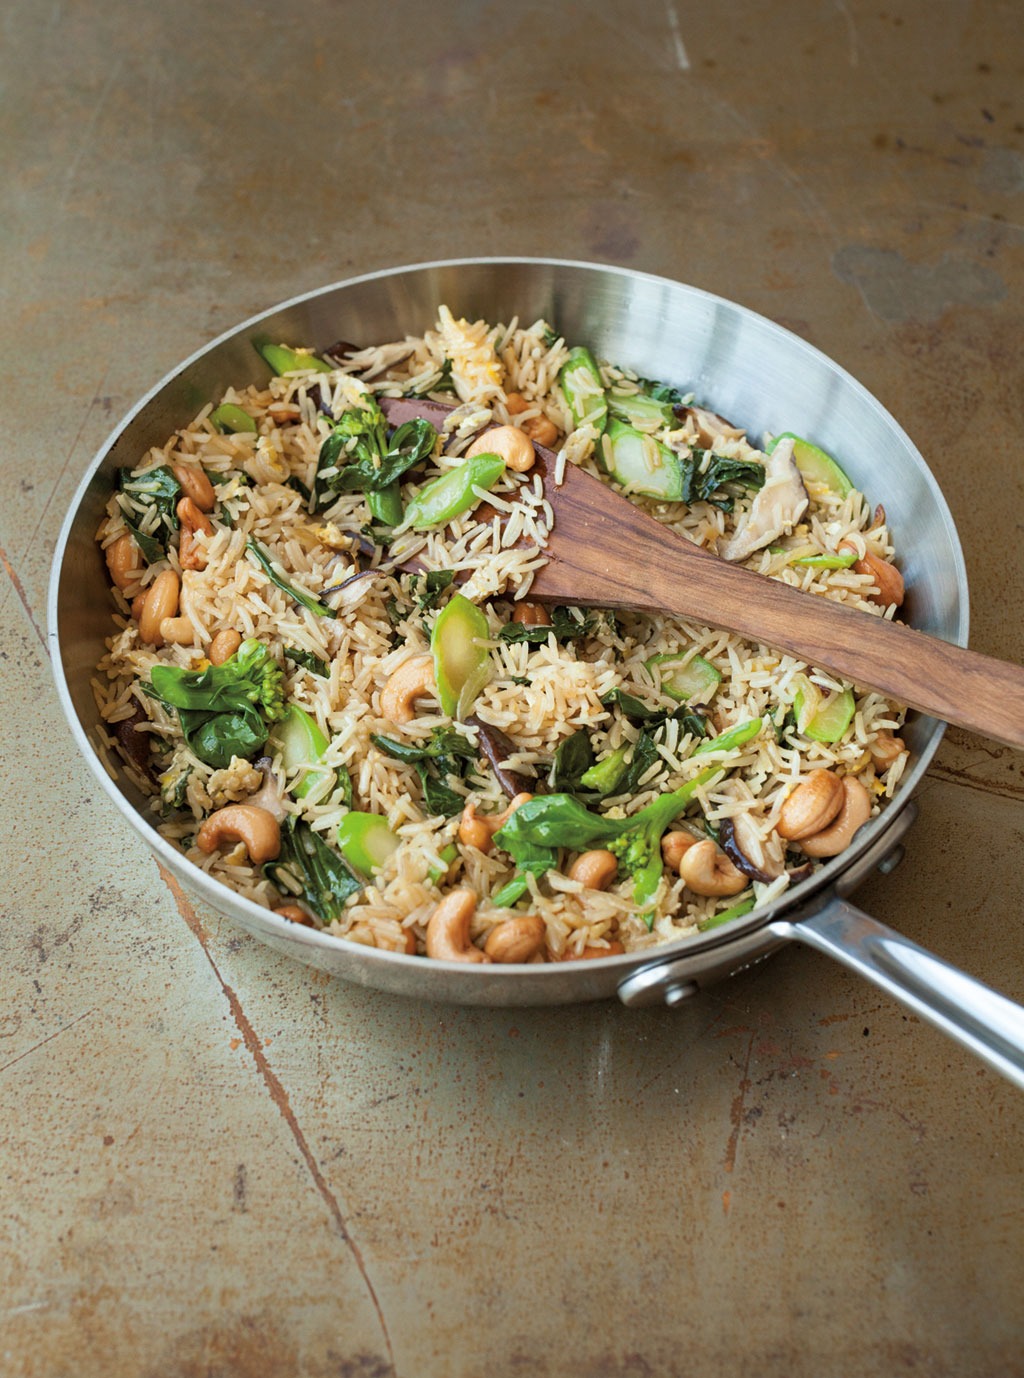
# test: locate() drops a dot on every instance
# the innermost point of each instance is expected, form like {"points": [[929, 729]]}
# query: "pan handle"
{"points": [[987, 1023]]}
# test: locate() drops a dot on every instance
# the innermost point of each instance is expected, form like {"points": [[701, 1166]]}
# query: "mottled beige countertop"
{"points": [[216, 1162]]}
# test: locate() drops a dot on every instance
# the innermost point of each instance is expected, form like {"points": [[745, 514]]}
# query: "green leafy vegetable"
{"points": [[735, 911], [665, 392], [573, 758], [447, 754], [701, 482], [155, 489], [564, 624], [266, 563], [224, 710], [308, 661], [604, 777], [358, 457], [325, 880], [638, 711], [645, 753], [549, 821], [435, 583]]}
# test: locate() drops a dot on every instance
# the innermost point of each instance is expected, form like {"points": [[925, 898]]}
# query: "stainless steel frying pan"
{"points": [[750, 370]]}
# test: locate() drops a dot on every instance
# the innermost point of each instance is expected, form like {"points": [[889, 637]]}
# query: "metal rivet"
{"points": [[891, 860], [678, 991]]}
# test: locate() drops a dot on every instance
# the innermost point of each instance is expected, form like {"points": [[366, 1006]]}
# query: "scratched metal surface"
{"points": [[214, 1162]]}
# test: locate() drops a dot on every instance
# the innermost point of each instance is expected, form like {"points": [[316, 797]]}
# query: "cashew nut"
{"points": [[515, 403], [594, 870], [123, 563], [179, 631], [477, 830], [223, 646], [515, 448], [674, 846], [541, 431], [885, 749], [190, 554], [613, 949], [886, 577], [811, 807], [413, 678], [855, 811], [247, 823], [159, 603], [294, 914], [448, 929], [532, 615], [516, 940], [707, 871], [195, 485]]}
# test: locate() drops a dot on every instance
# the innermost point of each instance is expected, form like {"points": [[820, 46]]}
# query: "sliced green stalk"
{"points": [[511, 891], [284, 360], [640, 463], [436, 874], [683, 681], [385, 504], [366, 841], [583, 386], [266, 563], [831, 718], [842, 560], [302, 743], [447, 497], [605, 775], [639, 409], [736, 736], [735, 912], [233, 419], [815, 464], [462, 666]]}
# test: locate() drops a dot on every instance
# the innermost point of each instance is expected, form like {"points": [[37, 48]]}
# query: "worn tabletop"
{"points": [[217, 1162]]}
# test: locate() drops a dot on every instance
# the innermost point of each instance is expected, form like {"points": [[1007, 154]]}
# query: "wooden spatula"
{"points": [[604, 551]]}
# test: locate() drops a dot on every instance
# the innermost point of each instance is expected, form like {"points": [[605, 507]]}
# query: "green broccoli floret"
{"points": [[224, 710], [549, 821]]}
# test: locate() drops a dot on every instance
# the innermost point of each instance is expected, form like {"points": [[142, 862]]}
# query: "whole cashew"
{"points": [[223, 646], [614, 949], [123, 562], [294, 913], [595, 870], [515, 448], [855, 811], [515, 403], [179, 631], [448, 929], [412, 680], [532, 615], [477, 830], [885, 749], [707, 871], [541, 431], [160, 602], [190, 554], [674, 846], [812, 806], [886, 577], [516, 940], [195, 485], [258, 829]]}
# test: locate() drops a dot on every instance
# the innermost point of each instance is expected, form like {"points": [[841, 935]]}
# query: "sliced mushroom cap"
{"points": [[743, 844], [498, 748], [776, 509], [710, 426], [270, 795]]}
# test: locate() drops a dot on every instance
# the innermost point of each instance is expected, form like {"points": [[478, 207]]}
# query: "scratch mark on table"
{"points": [[851, 29], [736, 1112], [19, 589], [48, 1039], [97, 392], [87, 132], [677, 38], [278, 1095]]}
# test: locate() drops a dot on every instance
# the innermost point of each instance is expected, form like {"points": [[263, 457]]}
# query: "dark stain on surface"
{"points": [[895, 289], [239, 1190]]}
